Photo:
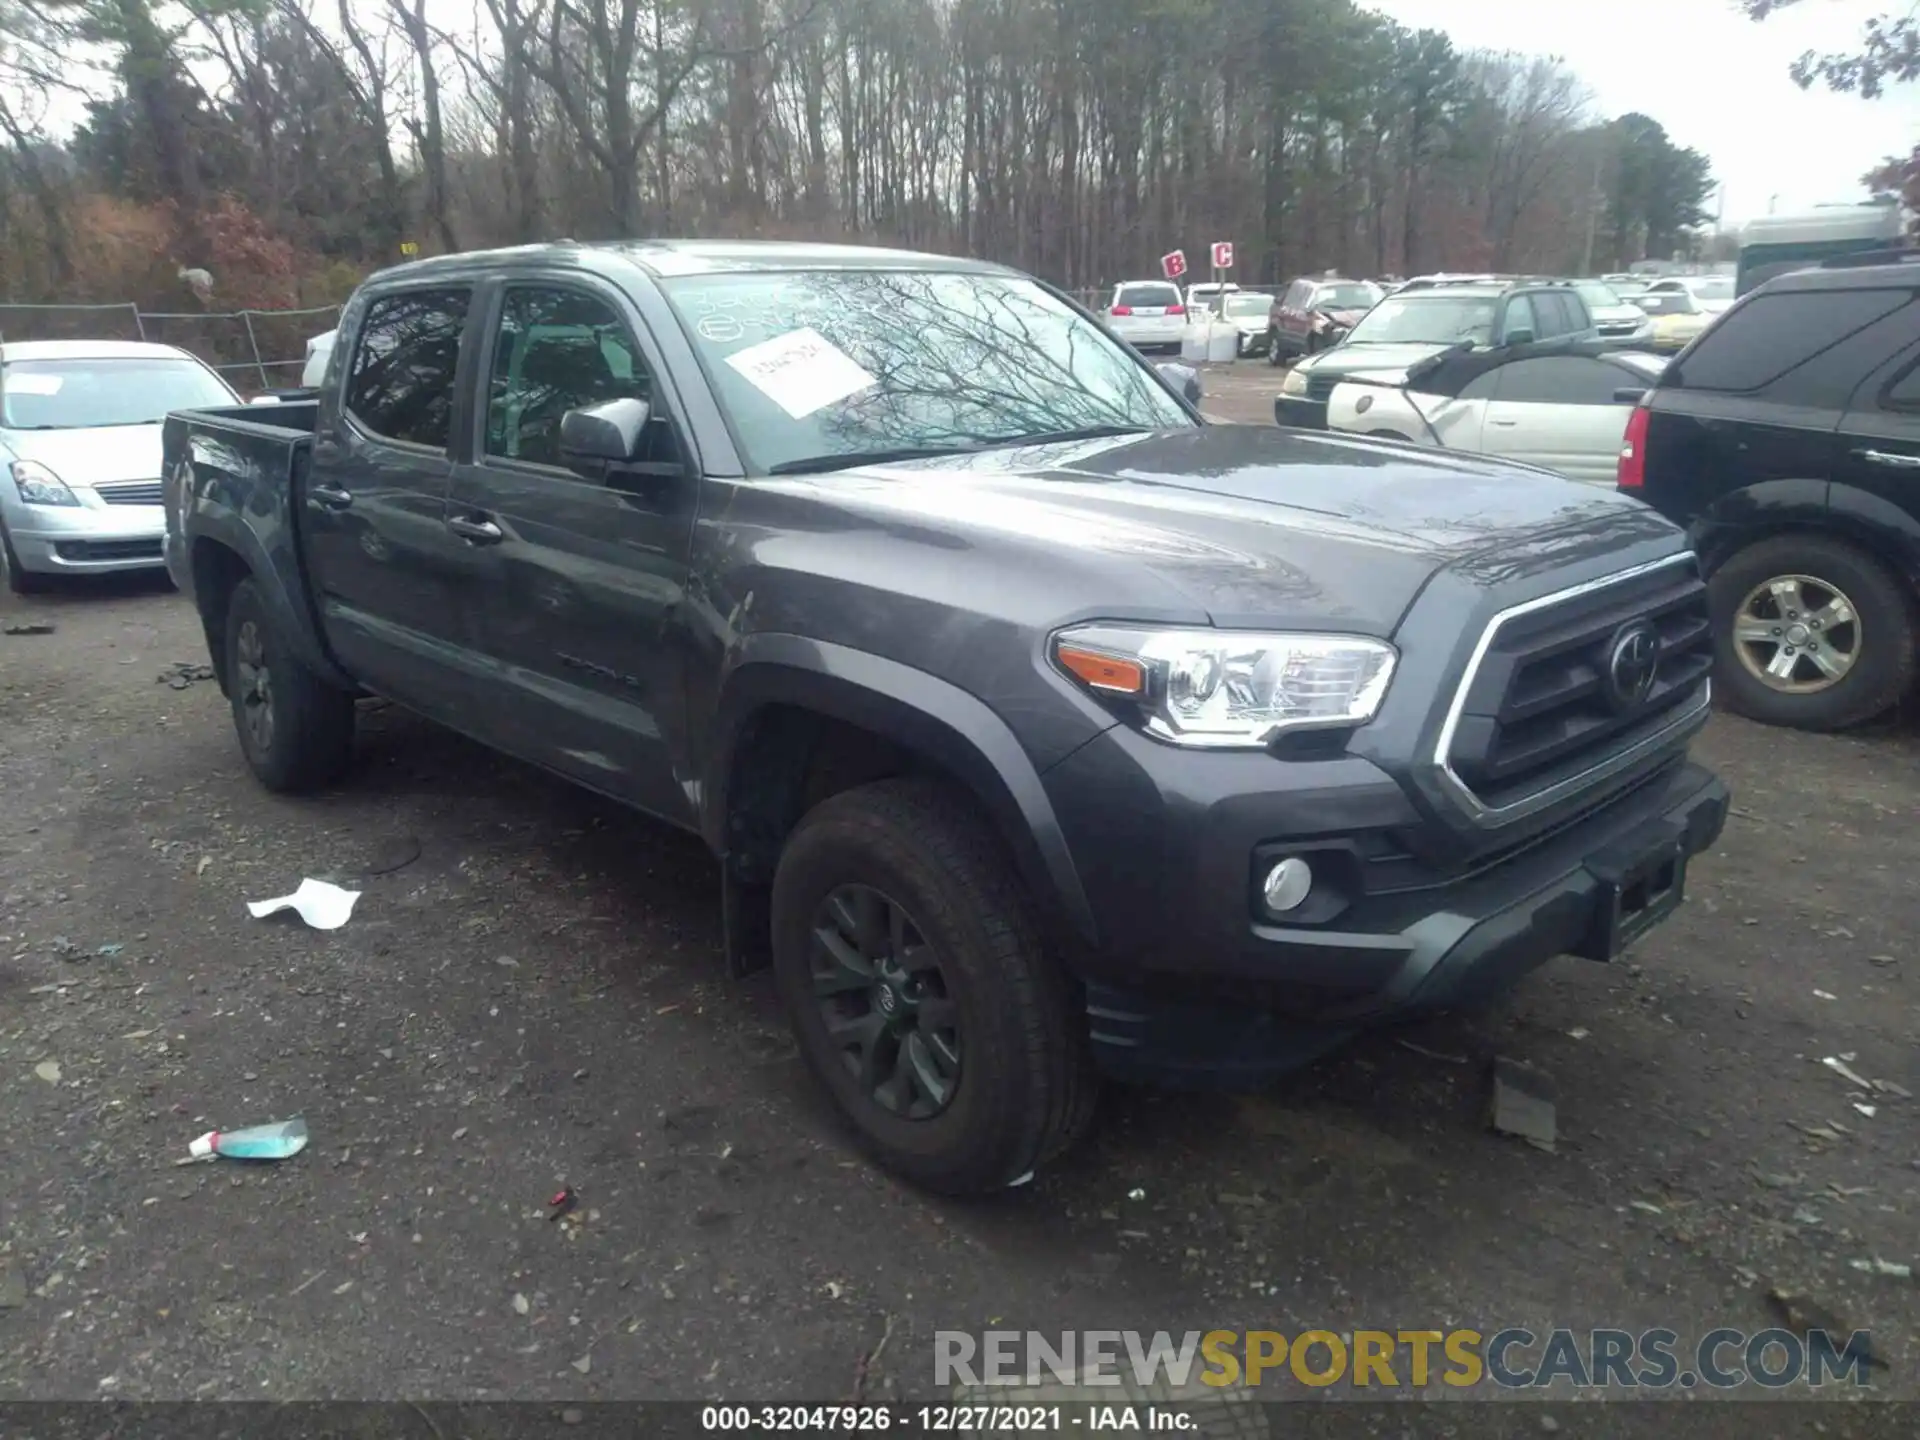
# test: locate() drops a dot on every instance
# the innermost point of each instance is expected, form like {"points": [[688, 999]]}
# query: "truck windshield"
{"points": [[96, 394], [1429, 319], [812, 365]]}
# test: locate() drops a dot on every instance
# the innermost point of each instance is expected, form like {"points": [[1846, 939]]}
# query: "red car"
{"points": [[1314, 314]]}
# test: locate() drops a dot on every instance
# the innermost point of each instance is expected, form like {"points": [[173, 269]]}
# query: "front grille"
{"points": [[129, 492], [1320, 386], [83, 550], [1545, 705], [1620, 327]]}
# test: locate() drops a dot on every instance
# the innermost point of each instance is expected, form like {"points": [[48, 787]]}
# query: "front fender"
{"points": [[918, 712]]}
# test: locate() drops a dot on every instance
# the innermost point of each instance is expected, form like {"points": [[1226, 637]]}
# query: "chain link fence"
{"points": [[254, 349]]}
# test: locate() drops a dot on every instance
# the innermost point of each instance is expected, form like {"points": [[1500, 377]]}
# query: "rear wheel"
{"points": [[20, 580], [915, 981], [1811, 632], [1274, 356], [295, 729]]}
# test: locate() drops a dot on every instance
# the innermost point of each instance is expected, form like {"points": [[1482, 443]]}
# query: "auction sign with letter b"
{"points": [[1173, 264]]}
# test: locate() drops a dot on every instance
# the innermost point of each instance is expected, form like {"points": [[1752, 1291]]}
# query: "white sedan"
{"points": [[1561, 407], [80, 453]]}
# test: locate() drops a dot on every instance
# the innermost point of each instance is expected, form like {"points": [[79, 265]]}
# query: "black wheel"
{"points": [[295, 729], [916, 984], [1274, 357], [1810, 632], [19, 579]]}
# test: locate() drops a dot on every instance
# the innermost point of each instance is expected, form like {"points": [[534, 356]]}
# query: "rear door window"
{"points": [[405, 361], [1560, 380], [1761, 341], [1147, 297]]}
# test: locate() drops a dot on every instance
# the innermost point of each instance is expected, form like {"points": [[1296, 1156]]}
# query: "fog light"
{"points": [[1288, 883]]}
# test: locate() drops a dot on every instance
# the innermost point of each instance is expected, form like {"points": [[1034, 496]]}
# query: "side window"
{"points": [[1560, 380], [1485, 385], [1903, 391], [1573, 317], [1759, 341], [404, 363], [556, 351], [1558, 318], [1519, 317]]}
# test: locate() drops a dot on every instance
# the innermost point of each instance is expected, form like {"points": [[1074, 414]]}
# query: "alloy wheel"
{"points": [[884, 1000], [255, 681], [1797, 634]]}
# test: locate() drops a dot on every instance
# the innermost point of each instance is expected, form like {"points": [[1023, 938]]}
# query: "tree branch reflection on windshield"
{"points": [[958, 361]]}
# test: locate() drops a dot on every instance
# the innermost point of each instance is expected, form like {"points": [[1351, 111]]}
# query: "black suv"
{"points": [[1787, 439], [1423, 320]]}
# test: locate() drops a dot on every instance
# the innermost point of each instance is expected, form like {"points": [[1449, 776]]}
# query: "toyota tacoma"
{"points": [[1043, 730]]}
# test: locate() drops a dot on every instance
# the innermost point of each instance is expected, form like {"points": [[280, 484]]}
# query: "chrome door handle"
{"points": [[476, 532], [1884, 457], [1504, 424], [331, 496]]}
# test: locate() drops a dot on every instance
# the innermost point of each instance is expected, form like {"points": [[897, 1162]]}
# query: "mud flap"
{"points": [[746, 923]]}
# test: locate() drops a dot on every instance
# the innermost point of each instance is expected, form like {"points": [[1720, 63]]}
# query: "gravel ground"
{"points": [[530, 995]]}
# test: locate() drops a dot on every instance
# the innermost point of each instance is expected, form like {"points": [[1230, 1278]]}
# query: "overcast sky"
{"points": [[1717, 80]]}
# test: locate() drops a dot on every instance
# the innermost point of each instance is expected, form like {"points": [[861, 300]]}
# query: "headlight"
{"points": [[40, 486], [1296, 381], [1229, 689]]}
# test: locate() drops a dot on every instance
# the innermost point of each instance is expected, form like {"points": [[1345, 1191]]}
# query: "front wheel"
{"points": [[20, 580], [918, 989], [1810, 632], [295, 729], [1274, 357]]}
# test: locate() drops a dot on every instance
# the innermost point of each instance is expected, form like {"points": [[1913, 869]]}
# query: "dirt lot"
{"points": [[530, 995]]}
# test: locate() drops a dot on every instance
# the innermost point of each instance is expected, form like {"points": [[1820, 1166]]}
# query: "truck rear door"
{"points": [[372, 505]]}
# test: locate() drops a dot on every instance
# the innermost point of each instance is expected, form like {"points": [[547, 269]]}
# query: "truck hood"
{"points": [[1254, 525], [90, 457]]}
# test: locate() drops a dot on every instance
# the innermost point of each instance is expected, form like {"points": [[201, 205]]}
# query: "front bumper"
{"points": [[1195, 984], [1300, 412], [90, 538]]}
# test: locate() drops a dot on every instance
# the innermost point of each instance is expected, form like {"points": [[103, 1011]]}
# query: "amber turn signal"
{"points": [[1112, 674]]}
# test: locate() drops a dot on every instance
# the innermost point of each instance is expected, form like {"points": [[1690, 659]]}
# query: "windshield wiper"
{"points": [[820, 464], [1088, 432]]}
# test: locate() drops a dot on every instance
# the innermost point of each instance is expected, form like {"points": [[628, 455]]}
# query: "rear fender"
{"points": [[263, 540]]}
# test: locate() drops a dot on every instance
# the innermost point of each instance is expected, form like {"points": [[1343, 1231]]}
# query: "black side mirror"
{"points": [[595, 437], [1519, 337], [1629, 395], [1183, 378]]}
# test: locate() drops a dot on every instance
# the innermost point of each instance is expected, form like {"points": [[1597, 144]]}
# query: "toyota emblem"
{"points": [[1633, 663]]}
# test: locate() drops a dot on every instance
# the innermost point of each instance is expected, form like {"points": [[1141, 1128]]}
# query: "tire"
{"points": [[1880, 638], [20, 580], [295, 729], [1022, 1089], [1274, 357]]}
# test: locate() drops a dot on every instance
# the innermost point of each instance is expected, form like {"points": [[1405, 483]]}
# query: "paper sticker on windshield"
{"points": [[25, 382], [801, 371]]}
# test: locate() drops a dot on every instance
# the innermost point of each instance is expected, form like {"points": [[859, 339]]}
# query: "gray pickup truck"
{"points": [[1042, 729]]}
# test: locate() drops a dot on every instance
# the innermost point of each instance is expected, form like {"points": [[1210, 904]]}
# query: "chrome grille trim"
{"points": [[1490, 816]]}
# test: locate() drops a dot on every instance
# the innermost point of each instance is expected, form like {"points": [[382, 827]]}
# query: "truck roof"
{"points": [[667, 258]]}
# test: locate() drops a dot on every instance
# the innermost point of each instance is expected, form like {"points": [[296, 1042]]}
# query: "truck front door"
{"points": [[373, 501], [576, 584]]}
